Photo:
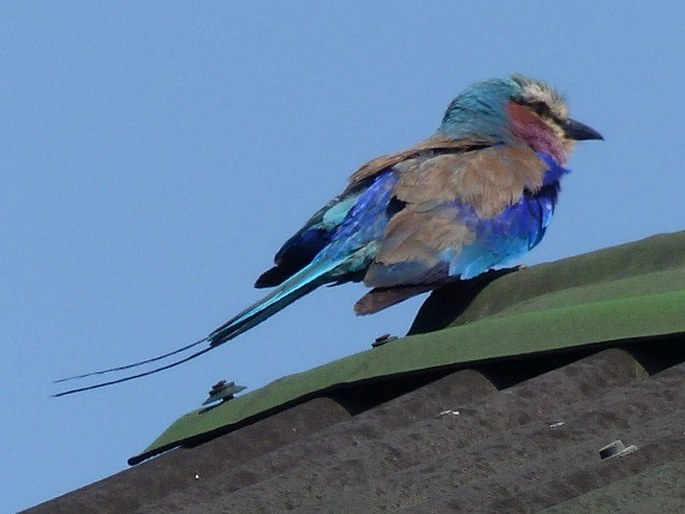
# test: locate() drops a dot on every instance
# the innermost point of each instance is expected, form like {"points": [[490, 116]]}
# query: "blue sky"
{"points": [[154, 156]]}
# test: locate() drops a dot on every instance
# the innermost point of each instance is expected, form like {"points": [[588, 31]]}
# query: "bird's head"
{"points": [[516, 110]]}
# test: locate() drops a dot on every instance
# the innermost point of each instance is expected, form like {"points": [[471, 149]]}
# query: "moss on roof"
{"points": [[623, 293]]}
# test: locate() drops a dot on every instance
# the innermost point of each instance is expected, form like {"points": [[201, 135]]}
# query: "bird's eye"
{"points": [[540, 108]]}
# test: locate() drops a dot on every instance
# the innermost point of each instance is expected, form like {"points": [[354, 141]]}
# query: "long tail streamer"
{"points": [[301, 283]]}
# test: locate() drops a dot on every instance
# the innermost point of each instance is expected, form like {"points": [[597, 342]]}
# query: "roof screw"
{"points": [[381, 340], [223, 391]]}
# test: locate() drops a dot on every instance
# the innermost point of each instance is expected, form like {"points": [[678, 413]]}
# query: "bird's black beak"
{"points": [[579, 132]]}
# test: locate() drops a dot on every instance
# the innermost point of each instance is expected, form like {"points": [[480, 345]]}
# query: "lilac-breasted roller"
{"points": [[479, 192]]}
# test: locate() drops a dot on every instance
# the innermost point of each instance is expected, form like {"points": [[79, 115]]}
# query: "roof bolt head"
{"points": [[220, 386], [223, 390], [381, 340]]}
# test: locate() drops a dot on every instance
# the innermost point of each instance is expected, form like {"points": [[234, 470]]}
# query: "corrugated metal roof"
{"points": [[455, 444], [514, 433]]}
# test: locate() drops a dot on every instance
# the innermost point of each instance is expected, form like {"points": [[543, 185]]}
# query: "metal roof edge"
{"points": [[500, 337]]}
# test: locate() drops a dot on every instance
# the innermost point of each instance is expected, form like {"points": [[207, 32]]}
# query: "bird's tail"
{"points": [[295, 287], [317, 273]]}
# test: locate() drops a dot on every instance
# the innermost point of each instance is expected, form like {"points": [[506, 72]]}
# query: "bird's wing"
{"points": [[319, 231], [298, 251], [462, 213]]}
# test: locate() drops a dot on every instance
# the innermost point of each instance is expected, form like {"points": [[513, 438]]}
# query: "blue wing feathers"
{"points": [[346, 223], [295, 254], [351, 248]]}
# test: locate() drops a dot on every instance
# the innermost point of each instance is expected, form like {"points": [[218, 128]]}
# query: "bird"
{"points": [[476, 194]]}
